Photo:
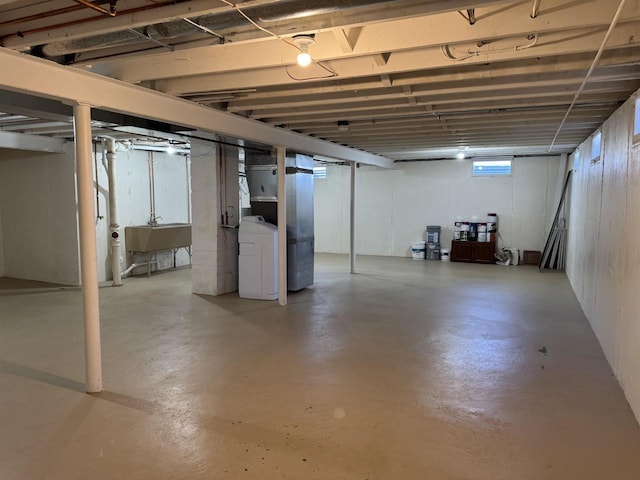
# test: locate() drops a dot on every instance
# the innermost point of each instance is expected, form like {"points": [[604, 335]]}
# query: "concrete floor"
{"points": [[408, 370]]}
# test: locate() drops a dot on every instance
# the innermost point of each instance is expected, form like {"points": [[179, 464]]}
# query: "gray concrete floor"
{"points": [[408, 370]]}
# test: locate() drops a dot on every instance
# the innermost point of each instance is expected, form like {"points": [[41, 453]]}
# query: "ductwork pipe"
{"points": [[215, 24], [114, 227]]}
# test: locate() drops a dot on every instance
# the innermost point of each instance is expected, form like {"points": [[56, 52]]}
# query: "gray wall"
{"points": [[394, 206], [39, 220], [603, 254]]}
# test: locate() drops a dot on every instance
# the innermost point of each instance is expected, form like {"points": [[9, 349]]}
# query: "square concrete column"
{"points": [[215, 210]]}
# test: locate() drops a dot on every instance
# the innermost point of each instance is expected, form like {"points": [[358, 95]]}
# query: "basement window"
{"points": [[320, 172], [491, 168], [576, 160], [596, 146]]}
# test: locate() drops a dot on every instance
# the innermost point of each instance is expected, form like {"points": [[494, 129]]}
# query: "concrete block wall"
{"points": [[215, 196], [39, 216], [603, 256], [394, 206]]}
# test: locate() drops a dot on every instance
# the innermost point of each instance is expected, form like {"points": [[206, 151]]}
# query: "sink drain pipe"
{"points": [[114, 228]]}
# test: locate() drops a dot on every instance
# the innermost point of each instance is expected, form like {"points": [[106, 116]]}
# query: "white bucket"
{"points": [[418, 250], [444, 254]]}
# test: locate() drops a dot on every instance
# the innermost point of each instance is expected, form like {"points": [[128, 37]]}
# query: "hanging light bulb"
{"points": [[303, 42], [304, 59]]}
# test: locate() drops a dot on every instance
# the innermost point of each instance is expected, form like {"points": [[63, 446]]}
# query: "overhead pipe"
{"points": [[267, 12], [589, 72], [61, 11], [114, 227], [112, 7]]}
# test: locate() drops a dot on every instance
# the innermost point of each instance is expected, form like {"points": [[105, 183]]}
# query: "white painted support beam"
{"points": [[26, 74], [124, 21], [429, 58], [282, 226], [431, 31], [352, 220], [197, 8], [347, 38], [88, 253], [33, 143], [381, 59]]}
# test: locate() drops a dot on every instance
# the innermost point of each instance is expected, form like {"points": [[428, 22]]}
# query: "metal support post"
{"points": [[282, 227], [352, 220], [88, 254]]}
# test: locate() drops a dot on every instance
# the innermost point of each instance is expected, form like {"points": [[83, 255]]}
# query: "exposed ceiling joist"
{"points": [[38, 77], [408, 77], [33, 143], [381, 38]]}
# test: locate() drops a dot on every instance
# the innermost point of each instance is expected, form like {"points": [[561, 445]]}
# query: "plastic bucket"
{"points": [[418, 250], [444, 254]]}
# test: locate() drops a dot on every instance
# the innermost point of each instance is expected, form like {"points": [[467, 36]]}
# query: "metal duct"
{"points": [[220, 23]]}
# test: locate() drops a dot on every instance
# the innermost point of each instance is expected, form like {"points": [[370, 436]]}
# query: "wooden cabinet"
{"points": [[473, 252]]}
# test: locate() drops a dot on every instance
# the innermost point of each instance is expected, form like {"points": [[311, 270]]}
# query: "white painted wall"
{"points": [[39, 219], [215, 192], [394, 206], [172, 201], [603, 262], [2, 274]]}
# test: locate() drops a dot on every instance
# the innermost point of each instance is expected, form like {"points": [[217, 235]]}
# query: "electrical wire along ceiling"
{"points": [[403, 79]]}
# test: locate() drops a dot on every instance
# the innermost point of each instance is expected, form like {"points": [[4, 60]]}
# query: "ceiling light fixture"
{"points": [[460, 155], [303, 42]]}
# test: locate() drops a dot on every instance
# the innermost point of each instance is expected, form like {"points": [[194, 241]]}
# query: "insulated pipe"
{"points": [[114, 233], [352, 220], [88, 254], [282, 227]]}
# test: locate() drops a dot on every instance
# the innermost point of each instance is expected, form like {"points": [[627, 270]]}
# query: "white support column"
{"points": [[88, 254], [352, 220], [114, 227], [282, 227]]}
